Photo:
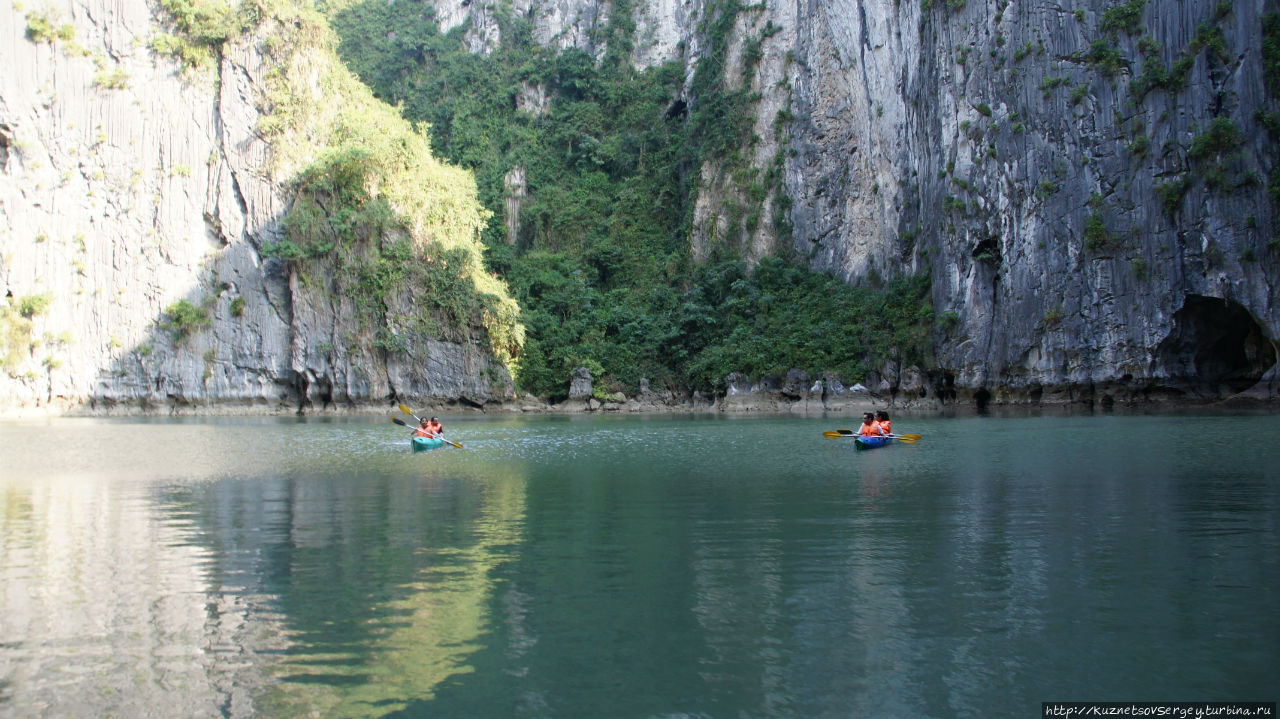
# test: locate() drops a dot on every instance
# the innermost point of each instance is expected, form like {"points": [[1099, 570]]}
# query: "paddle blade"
{"points": [[847, 432], [408, 411], [832, 435], [910, 437], [906, 439], [396, 420]]}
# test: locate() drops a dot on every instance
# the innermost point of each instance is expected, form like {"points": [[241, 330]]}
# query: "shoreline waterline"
{"points": [[698, 405]]}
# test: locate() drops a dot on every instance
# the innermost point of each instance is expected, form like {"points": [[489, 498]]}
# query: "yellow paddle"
{"points": [[905, 438], [402, 423], [409, 412], [853, 433]]}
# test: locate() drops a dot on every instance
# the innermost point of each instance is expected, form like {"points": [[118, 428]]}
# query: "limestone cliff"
{"points": [[1086, 184], [138, 192]]}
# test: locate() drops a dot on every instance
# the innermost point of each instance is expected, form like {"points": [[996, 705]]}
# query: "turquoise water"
{"points": [[635, 567]]}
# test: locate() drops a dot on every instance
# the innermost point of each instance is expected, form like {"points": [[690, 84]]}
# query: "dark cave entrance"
{"points": [[1216, 343], [981, 399]]}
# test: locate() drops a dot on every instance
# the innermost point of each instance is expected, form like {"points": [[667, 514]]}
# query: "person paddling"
{"points": [[882, 419], [869, 427], [430, 428]]}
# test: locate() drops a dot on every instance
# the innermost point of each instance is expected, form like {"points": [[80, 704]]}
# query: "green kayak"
{"points": [[425, 443]]}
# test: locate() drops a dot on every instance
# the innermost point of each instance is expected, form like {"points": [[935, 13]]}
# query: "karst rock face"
{"points": [[132, 190], [1086, 185]]}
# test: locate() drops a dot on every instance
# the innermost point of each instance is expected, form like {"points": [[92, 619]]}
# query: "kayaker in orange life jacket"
{"points": [[882, 419], [869, 427], [429, 428]]}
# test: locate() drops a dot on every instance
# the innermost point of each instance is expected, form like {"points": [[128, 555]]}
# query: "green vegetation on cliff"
{"points": [[377, 220], [16, 341], [721, 319], [604, 162]]}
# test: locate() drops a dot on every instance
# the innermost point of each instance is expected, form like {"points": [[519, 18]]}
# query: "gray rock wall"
{"points": [[1048, 237], [1080, 249], [126, 186]]}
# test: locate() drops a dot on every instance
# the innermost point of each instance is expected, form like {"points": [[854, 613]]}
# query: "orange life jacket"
{"points": [[870, 430], [886, 425]]}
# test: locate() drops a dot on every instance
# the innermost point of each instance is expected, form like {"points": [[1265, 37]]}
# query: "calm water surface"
{"points": [[635, 567]]}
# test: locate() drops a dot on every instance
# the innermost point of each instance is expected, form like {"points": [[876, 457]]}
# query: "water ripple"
{"points": [[630, 566]]}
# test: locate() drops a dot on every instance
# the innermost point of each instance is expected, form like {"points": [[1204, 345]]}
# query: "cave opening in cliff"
{"points": [[1216, 344], [981, 399], [988, 251]]}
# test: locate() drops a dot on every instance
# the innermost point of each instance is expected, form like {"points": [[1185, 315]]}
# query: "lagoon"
{"points": [[640, 566]]}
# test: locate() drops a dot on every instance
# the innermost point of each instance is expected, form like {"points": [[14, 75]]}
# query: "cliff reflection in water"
{"points": [[340, 587], [633, 567], [387, 594], [109, 605]]}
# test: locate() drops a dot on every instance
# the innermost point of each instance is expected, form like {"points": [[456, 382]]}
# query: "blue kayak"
{"points": [[871, 442], [423, 443]]}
